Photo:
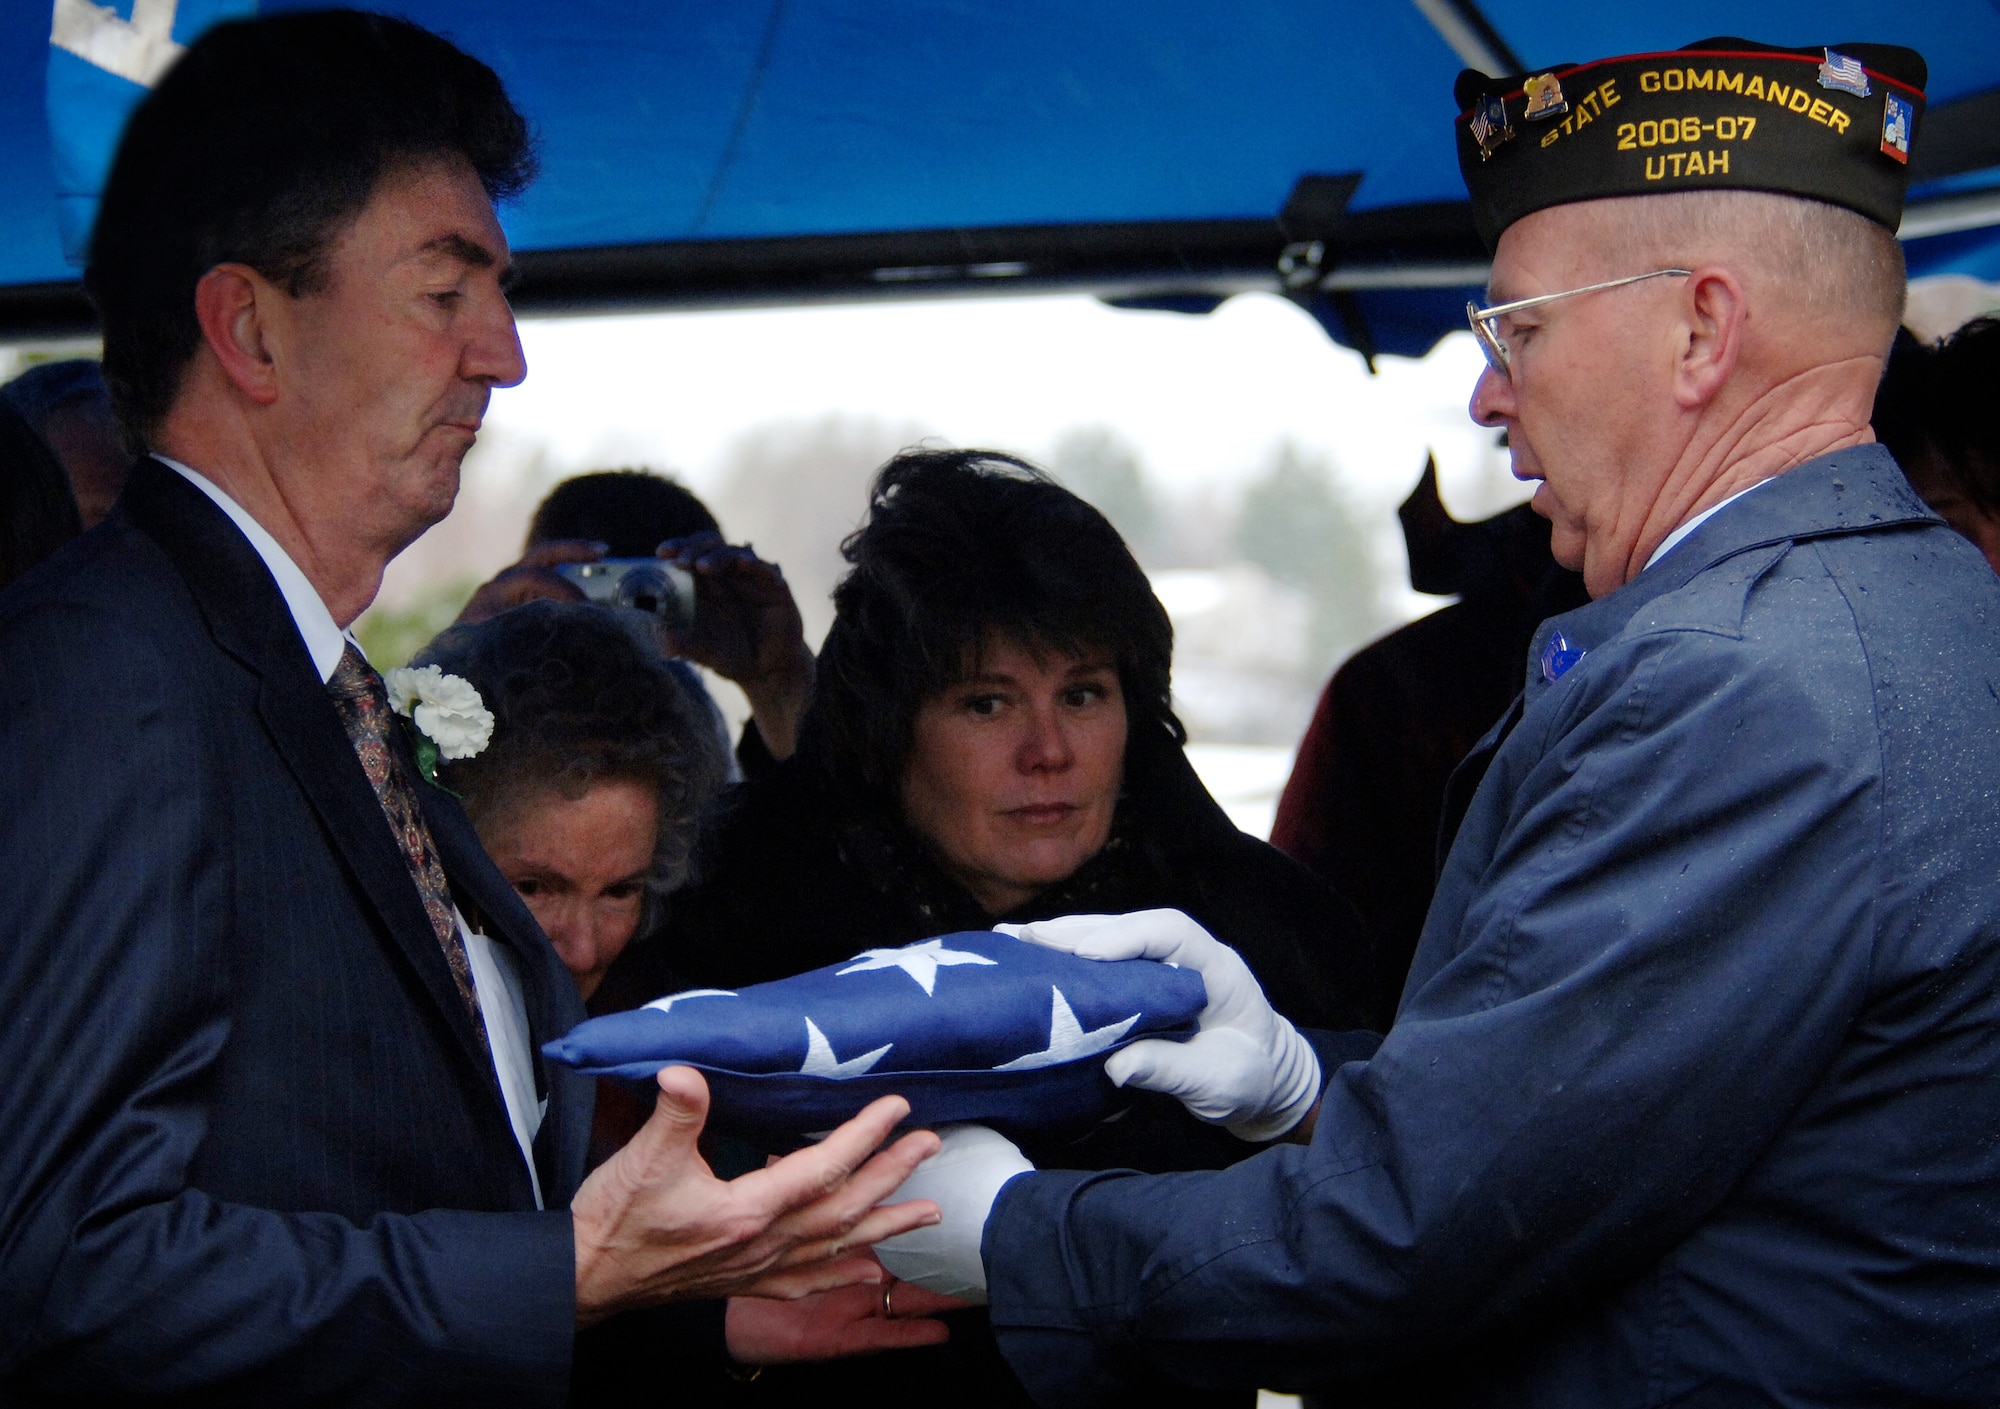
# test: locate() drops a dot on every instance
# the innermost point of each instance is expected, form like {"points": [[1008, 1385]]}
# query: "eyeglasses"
{"points": [[1486, 321]]}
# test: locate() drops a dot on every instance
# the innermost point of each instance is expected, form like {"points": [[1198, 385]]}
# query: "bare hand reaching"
{"points": [[654, 1224]]}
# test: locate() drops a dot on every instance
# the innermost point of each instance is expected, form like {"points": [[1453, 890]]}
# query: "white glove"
{"points": [[1247, 1069], [962, 1179]]}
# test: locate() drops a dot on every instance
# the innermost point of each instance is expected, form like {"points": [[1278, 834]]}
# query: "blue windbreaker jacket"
{"points": [[1694, 1094]]}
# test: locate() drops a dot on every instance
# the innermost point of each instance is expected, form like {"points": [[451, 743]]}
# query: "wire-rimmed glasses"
{"points": [[1486, 321]]}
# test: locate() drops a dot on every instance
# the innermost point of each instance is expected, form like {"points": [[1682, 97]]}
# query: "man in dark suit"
{"points": [[277, 1127]]}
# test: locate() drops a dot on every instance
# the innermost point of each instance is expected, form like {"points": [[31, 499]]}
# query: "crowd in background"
{"points": [[621, 703], [600, 703]]}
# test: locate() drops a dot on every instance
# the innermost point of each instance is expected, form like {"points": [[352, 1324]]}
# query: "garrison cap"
{"points": [[1833, 124]]}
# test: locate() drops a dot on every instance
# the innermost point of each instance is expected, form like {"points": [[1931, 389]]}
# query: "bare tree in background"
{"points": [[1298, 527], [1102, 468], [794, 489]]}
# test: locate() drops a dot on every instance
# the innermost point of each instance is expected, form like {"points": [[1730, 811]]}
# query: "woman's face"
{"points": [[581, 865], [1014, 772]]}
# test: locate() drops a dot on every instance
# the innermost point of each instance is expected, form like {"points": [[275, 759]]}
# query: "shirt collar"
{"points": [[1673, 539], [324, 640]]}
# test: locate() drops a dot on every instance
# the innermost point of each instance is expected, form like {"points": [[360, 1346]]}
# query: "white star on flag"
{"points": [[1067, 1039], [920, 961], [820, 1060], [666, 1004]]}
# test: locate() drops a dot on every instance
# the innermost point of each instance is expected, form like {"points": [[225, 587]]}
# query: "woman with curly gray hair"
{"points": [[603, 752]]}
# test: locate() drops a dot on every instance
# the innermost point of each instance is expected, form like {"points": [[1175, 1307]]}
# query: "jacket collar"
{"points": [[324, 640], [1856, 490]]}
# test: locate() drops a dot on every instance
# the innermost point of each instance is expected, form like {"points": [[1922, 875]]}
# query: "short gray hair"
{"points": [[1822, 261]]}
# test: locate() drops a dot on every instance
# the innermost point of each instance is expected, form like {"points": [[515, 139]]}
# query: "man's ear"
{"points": [[233, 303], [1715, 312]]}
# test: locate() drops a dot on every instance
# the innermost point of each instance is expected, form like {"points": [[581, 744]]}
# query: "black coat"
{"points": [[1362, 806], [791, 880]]}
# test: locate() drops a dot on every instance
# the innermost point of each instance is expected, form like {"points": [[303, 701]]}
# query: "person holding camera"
{"points": [[740, 621]]}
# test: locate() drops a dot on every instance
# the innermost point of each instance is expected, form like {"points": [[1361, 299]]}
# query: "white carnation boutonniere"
{"points": [[450, 718]]}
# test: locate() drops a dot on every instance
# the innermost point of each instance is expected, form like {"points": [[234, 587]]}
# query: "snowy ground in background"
{"points": [[1246, 779]]}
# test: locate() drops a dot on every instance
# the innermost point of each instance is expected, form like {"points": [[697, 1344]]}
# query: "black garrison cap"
{"points": [[1834, 124]]}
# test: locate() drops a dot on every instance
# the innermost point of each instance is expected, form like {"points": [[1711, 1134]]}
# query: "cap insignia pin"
{"points": [[1844, 72], [1545, 97], [1898, 114], [1489, 125]]}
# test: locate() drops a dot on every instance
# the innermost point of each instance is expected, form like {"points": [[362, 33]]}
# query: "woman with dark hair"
{"points": [[602, 754], [991, 738]]}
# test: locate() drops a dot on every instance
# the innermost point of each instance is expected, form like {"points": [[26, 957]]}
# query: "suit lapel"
{"points": [[547, 990], [249, 619]]}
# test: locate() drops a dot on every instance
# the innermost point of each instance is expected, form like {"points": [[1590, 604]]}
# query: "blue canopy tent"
{"points": [[1162, 154]]}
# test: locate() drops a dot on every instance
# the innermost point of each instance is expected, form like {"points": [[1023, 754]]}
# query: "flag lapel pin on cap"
{"points": [[1843, 73], [1489, 125]]}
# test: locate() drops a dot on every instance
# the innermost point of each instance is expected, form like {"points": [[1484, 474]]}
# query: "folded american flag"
{"points": [[969, 1026]]}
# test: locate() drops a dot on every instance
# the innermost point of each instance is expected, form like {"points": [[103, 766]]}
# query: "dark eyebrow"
{"points": [[984, 677], [471, 254], [460, 248]]}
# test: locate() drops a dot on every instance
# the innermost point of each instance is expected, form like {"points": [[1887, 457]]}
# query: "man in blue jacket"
{"points": [[1694, 1092]]}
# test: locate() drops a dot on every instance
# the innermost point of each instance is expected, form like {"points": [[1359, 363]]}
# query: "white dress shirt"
{"points": [[495, 980], [1673, 540]]}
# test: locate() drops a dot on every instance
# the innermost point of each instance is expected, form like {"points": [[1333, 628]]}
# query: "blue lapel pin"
{"points": [[1558, 657]]}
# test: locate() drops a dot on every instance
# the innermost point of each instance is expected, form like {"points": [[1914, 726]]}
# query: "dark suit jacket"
{"points": [[252, 1151]]}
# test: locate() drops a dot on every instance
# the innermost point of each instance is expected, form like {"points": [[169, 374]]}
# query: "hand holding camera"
{"points": [[717, 604], [652, 585], [747, 629]]}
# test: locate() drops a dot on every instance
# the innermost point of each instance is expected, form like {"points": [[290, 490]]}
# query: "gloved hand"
{"points": [[1247, 1069], [962, 1179]]}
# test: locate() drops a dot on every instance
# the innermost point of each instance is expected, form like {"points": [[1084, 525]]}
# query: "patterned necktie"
{"points": [[363, 705]]}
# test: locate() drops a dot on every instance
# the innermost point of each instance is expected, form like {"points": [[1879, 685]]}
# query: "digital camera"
{"points": [[653, 585]]}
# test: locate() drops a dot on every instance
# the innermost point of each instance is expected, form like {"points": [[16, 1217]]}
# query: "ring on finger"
{"points": [[888, 1311]]}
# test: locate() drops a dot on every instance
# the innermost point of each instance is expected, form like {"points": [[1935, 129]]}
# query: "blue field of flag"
{"points": [[969, 1026]]}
